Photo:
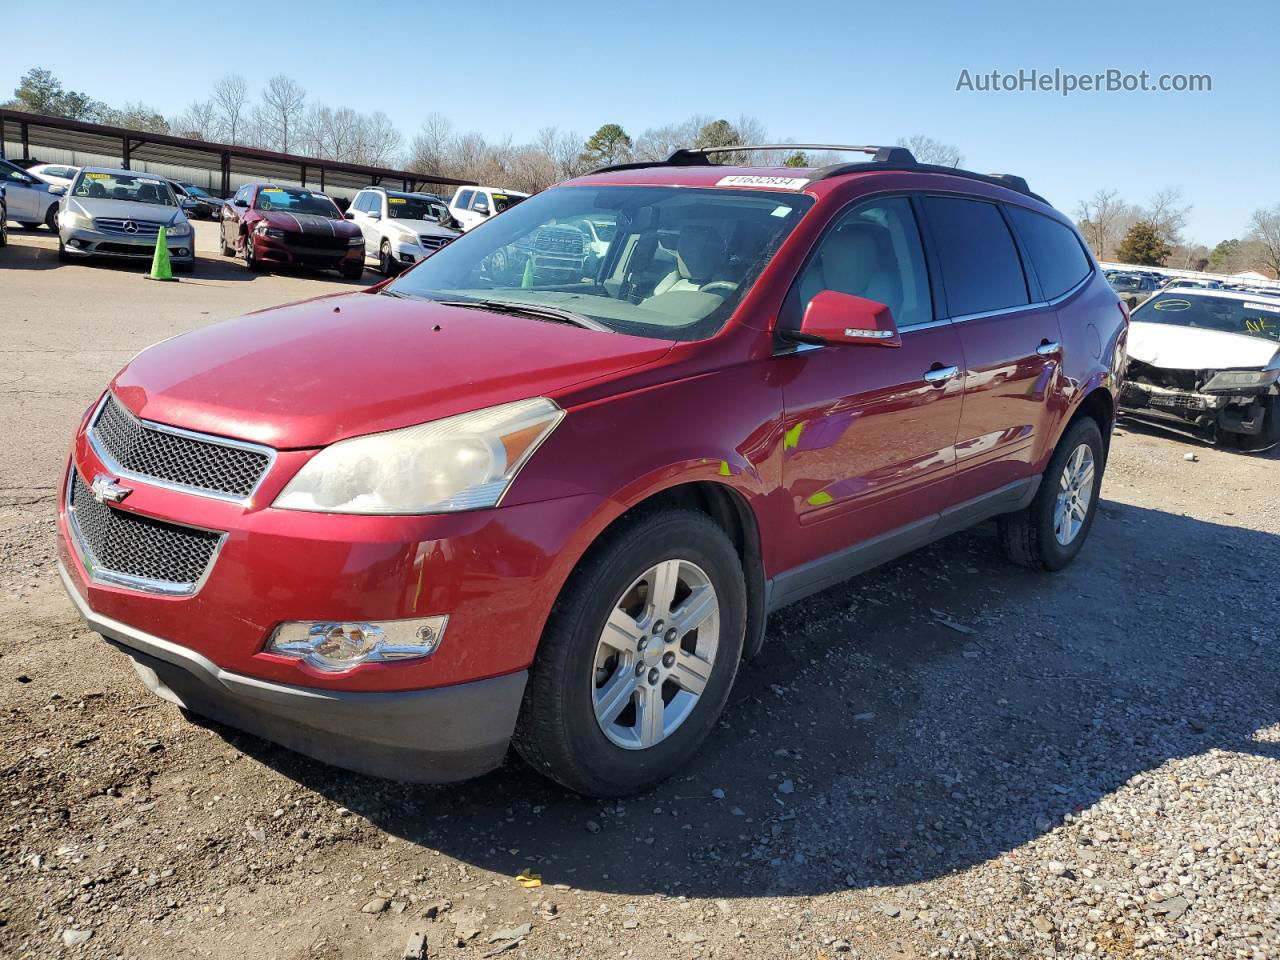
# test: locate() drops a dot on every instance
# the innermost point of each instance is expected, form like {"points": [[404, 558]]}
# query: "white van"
{"points": [[471, 206]]}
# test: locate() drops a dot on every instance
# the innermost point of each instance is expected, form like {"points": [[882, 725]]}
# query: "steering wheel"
{"points": [[728, 286]]}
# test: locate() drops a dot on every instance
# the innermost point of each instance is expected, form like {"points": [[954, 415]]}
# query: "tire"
{"points": [[353, 271], [51, 218], [63, 256], [4, 230], [226, 250], [1030, 537], [184, 267], [250, 256], [28, 225], [386, 266], [557, 732]]}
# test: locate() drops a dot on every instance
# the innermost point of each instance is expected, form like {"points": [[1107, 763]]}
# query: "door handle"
{"points": [[937, 376], [1047, 348]]}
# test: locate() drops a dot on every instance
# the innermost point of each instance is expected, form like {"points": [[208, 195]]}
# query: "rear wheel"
{"points": [[1049, 533], [638, 656], [227, 250], [4, 229]]}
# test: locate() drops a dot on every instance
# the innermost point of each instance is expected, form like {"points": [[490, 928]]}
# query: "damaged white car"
{"points": [[1208, 359]]}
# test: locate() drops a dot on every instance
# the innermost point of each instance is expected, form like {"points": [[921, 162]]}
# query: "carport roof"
{"points": [[59, 133]]}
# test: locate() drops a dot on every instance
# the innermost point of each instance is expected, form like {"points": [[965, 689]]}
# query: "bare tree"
{"points": [[280, 114], [230, 95], [380, 141], [430, 151], [1168, 214], [564, 149], [1103, 219], [199, 121], [1264, 239], [928, 150]]}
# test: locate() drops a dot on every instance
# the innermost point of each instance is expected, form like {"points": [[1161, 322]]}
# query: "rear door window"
{"points": [[981, 270], [1059, 260]]}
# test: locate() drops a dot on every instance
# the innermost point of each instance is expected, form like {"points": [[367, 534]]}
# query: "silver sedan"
{"points": [[119, 213]]}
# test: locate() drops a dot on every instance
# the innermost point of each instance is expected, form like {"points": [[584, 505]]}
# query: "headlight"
{"points": [[408, 239], [177, 230], [336, 647], [1241, 380], [70, 220], [459, 463], [263, 230], [355, 241]]}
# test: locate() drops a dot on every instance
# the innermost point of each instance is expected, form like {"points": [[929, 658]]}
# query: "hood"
{"points": [[311, 373], [310, 223], [127, 209], [1194, 348]]}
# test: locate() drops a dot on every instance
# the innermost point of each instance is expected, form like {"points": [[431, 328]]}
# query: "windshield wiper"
{"points": [[536, 310]]}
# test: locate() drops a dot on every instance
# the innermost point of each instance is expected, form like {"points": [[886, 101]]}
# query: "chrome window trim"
{"points": [[113, 578], [1038, 305], [111, 464]]}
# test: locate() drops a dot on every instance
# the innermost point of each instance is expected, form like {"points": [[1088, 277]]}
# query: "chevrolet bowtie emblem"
{"points": [[106, 490]]}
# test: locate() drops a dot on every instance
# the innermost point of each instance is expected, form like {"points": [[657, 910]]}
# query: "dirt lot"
{"points": [[947, 757]]}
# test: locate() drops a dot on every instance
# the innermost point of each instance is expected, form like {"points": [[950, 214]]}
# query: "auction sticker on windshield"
{"points": [[1266, 307], [779, 183]]}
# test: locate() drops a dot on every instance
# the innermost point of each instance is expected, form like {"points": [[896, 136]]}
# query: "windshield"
{"points": [[124, 186], [289, 200], [195, 191], [1253, 318], [677, 262], [416, 208]]}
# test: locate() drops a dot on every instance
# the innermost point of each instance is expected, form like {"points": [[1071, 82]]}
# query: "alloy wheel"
{"points": [[1075, 493], [655, 655]]}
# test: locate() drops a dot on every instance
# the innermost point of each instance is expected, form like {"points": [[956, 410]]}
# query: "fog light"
{"points": [[73, 242], [182, 251], [339, 646]]}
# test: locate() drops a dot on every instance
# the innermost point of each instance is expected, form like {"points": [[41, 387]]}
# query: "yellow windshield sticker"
{"points": [[398, 201], [97, 176], [271, 190]]}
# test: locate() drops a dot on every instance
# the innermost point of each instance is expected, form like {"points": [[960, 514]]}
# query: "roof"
{"points": [[59, 133]]}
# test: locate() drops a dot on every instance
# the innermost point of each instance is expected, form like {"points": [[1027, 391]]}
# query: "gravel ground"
{"points": [[946, 757]]}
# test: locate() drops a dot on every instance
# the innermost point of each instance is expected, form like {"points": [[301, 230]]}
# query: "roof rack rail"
{"points": [[882, 158], [700, 156], [1007, 180]]}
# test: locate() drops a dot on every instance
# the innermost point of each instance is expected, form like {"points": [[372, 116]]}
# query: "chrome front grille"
{"points": [[568, 242], [141, 228], [130, 550], [433, 243], [199, 463]]}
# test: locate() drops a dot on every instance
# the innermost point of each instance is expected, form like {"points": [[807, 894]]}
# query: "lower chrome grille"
{"points": [[129, 550], [202, 464]]}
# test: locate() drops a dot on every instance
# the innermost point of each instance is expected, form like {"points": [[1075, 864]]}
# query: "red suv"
{"points": [[399, 529]]}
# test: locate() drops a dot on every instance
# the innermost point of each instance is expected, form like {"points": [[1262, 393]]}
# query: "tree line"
{"points": [[1151, 234], [281, 117]]}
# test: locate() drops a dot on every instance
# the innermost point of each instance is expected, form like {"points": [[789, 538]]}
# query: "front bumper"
{"points": [[295, 249], [1244, 415], [421, 736], [79, 241]]}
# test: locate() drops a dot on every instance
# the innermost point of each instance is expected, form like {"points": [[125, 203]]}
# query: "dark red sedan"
{"points": [[269, 225], [402, 528]]}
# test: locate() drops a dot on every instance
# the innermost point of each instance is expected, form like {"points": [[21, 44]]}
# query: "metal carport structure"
{"points": [[32, 130]]}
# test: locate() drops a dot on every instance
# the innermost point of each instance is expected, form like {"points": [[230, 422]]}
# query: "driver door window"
{"points": [[873, 251]]}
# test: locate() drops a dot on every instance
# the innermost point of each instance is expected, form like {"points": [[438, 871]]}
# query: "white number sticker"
{"points": [[778, 183]]}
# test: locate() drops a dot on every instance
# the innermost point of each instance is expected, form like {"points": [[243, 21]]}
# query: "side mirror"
{"points": [[483, 211], [349, 215], [374, 216], [834, 317], [240, 203]]}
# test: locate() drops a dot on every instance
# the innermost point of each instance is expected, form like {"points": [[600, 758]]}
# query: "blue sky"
{"points": [[815, 71]]}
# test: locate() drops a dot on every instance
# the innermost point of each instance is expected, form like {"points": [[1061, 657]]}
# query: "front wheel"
{"points": [[638, 656], [1049, 533], [386, 263], [352, 271], [51, 218], [227, 249], [4, 230], [251, 255]]}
